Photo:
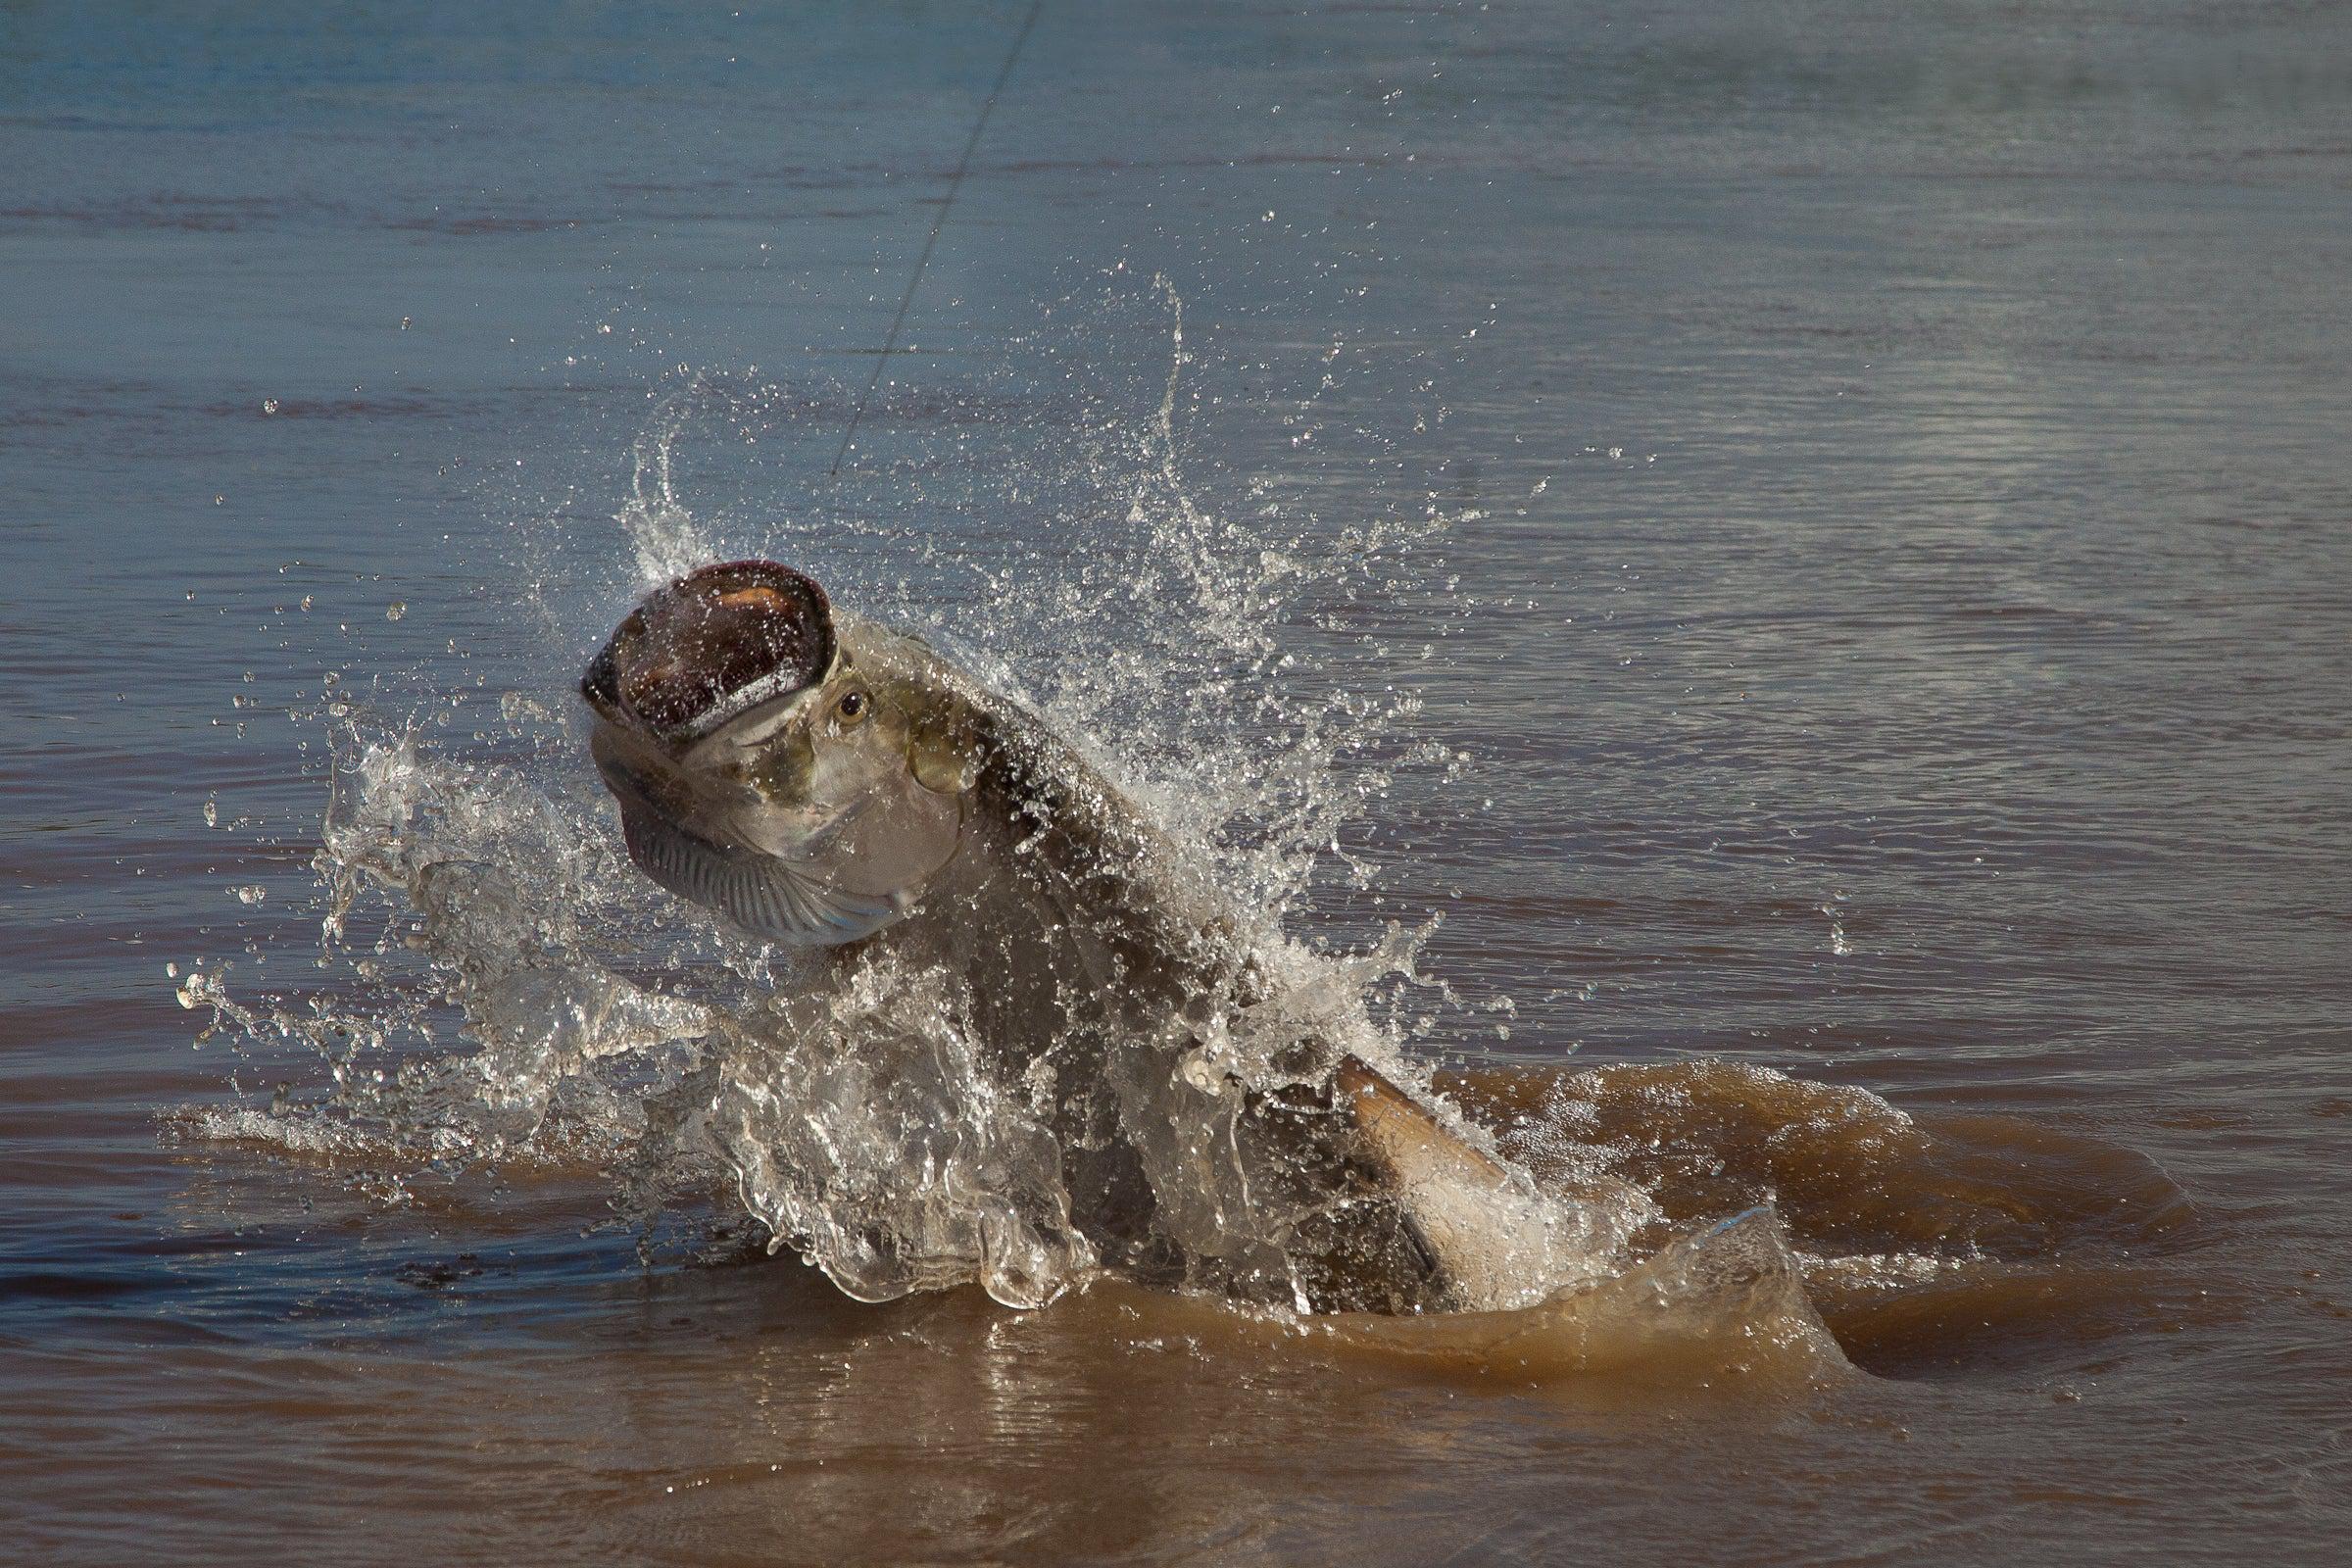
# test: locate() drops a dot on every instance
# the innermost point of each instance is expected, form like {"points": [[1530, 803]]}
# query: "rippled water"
{"points": [[1812, 540]]}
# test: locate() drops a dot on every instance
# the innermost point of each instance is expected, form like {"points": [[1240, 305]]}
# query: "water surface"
{"points": [[1850, 514]]}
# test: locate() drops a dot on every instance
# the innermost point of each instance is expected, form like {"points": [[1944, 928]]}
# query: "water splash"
{"points": [[662, 533], [485, 901]]}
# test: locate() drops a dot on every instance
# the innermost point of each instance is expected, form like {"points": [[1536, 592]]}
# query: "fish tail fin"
{"points": [[1455, 1195]]}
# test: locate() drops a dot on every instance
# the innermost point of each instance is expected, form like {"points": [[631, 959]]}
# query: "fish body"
{"points": [[821, 781]]}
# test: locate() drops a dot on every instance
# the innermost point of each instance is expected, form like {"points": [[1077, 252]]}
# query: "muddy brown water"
{"points": [[1890, 643]]}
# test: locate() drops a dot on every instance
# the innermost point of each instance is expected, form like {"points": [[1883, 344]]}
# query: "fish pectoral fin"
{"points": [[1453, 1196], [768, 897]]}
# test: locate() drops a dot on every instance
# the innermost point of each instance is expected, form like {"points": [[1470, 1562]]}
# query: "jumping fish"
{"points": [[821, 781]]}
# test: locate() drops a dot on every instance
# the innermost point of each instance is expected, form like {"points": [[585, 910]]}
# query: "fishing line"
{"points": [[962, 166]]}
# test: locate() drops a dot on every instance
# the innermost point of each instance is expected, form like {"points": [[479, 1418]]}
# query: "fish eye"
{"points": [[852, 707]]}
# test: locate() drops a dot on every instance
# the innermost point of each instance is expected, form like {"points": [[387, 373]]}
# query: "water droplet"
{"points": [[212, 813], [395, 610], [1840, 947], [268, 405], [251, 893]]}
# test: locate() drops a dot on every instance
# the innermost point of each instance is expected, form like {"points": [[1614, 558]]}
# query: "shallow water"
{"points": [[1817, 539]]}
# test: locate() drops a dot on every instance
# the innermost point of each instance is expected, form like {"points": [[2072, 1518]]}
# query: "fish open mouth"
{"points": [[715, 643]]}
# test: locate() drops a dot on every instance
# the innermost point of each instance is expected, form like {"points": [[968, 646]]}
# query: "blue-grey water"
{"points": [[1816, 534]]}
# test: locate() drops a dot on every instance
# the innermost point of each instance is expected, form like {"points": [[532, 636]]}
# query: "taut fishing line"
{"points": [[963, 167]]}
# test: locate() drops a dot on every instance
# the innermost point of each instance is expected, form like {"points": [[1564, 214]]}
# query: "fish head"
{"points": [[773, 763]]}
